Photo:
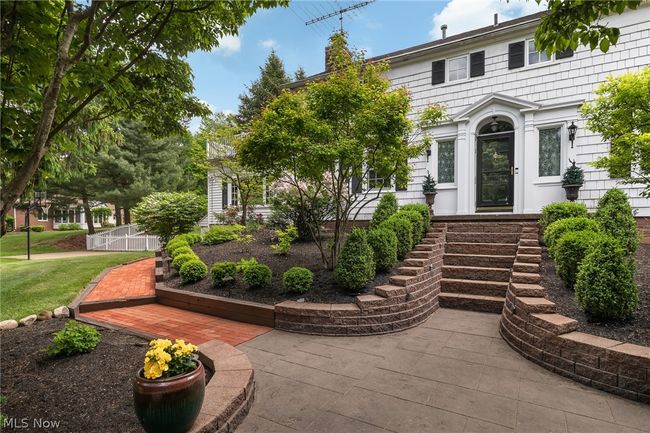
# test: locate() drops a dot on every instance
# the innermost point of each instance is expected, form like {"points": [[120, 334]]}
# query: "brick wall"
{"points": [[643, 224]]}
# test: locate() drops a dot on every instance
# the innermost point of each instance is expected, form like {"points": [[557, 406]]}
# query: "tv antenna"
{"points": [[340, 13]]}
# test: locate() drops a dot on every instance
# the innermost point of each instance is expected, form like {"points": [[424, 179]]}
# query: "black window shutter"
{"points": [[516, 54], [477, 64], [356, 185], [438, 72], [564, 54], [224, 194]]}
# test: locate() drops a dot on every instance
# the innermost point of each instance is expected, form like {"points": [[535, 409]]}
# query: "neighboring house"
{"points": [[505, 145]]}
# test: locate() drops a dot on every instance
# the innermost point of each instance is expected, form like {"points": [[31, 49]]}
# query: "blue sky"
{"points": [[383, 26]]}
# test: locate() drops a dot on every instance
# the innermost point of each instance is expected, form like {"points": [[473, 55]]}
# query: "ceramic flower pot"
{"points": [[169, 405], [571, 191]]}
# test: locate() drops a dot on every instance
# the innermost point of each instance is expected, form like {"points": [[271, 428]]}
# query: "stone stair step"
{"points": [[475, 273], [410, 270], [474, 287], [419, 255], [389, 291], [401, 280], [370, 301], [424, 247], [529, 258], [529, 242], [528, 290], [475, 248], [486, 304], [556, 323], [491, 227], [535, 305], [529, 236], [482, 237], [416, 262], [487, 260], [432, 241], [526, 277], [529, 250], [525, 267]]}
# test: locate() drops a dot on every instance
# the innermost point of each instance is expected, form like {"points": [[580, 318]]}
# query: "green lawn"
{"points": [[27, 287], [15, 243]]}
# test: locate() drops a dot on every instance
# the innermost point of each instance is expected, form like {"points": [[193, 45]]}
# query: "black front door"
{"points": [[495, 175]]}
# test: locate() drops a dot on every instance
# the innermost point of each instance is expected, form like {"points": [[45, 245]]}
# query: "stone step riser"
{"points": [[482, 305], [416, 262], [484, 249], [529, 258], [505, 238], [529, 250], [525, 277], [485, 288], [408, 270], [526, 267], [529, 242], [484, 227], [478, 260], [479, 274]]}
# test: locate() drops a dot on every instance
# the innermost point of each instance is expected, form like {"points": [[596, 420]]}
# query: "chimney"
{"points": [[328, 60], [444, 30], [496, 20]]}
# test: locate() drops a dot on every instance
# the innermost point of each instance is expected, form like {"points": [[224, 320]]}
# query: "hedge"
{"points": [[356, 265], [385, 209], [383, 243], [560, 210], [614, 213]]}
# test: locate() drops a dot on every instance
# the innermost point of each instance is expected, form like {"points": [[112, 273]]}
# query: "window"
{"points": [[458, 68], [550, 148], [376, 181], [234, 195], [535, 56], [446, 161], [41, 214], [224, 195]]}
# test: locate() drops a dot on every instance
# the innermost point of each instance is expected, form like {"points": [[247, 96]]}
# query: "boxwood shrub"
{"points": [[191, 238], [298, 280], [222, 233], [223, 272], [569, 252], [356, 265], [383, 243], [193, 270], [560, 210], [181, 259], [557, 229], [180, 250], [257, 275], [614, 213], [423, 209], [605, 287], [385, 209], [417, 224], [403, 229], [171, 246]]}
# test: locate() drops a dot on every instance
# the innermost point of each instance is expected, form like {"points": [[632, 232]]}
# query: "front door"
{"points": [[495, 176]]}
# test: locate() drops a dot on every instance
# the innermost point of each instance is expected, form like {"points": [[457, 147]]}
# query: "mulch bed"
{"points": [[304, 254], [635, 330], [72, 243], [85, 393]]}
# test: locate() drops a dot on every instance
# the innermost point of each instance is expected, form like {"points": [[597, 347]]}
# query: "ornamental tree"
{"points": [[170, 213], [621, 114], [326, 137]]}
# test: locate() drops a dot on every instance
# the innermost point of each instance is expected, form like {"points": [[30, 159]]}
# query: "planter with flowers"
{"points": [[168, 392], [429, 190], [572, 181]]}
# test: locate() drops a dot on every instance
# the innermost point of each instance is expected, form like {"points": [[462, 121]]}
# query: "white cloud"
{"points": [[228, 45], [463, 15], [269, 43]]}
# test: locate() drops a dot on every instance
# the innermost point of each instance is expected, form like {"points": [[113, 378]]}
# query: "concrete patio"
{"points": [[454, 373]]}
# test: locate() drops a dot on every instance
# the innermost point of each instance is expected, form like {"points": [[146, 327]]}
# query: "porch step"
{"points": [[525, 267], [529, 258], [492, 261], [490, 227], [526, 277], [474, 287], [483, 237], [486, 304], [484, 248], [476, 273]]}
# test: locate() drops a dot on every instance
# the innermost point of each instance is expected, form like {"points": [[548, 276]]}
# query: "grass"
{"points": [[27, 287], [14, 244]]}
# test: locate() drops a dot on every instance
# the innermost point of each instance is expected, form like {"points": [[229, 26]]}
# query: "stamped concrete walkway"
{"points": [[451, 374]]}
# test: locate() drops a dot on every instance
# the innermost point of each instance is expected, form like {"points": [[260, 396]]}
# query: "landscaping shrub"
{"points": [[560, 210], [605, 287], [68, 227], [356, 265], [170, 213], [10, 223], [615, 216], [37, 228], [74, 338], [223, 272], [403, 229], [383, 243], [418, 225], [193, 270], [569, 252], [245, 263], [257, 275], [298, 280], [385, 209], [183, 258], [423, 209], [191, 238], [285, 238], [107, 224], [181, 250], [287, 207], [172, 246], [557, 229], [220, 234]]}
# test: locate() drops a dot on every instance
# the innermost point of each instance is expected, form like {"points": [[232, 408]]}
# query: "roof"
{"points": [[431, 47]]}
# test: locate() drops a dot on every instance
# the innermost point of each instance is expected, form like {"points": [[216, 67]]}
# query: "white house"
{"points": [[506, 143]]}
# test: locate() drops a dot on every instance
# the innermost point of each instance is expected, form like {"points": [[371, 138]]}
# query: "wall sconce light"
{"points": [[572, 132], [428, 154]]}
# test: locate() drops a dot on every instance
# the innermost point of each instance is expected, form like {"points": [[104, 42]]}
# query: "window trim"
{"points": [[38, 214], [563, 151], [434, 158], [448, 71], [527, 63]]}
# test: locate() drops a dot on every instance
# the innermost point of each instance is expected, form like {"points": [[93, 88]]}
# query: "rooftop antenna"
{"points": [[340, 13]]}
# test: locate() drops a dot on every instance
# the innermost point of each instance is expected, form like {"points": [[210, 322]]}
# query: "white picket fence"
{"points": [[123, 238]]}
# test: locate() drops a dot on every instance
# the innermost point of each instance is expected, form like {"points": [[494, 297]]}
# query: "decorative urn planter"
{"points": [[430, 198], [572, 191], [169, 405]]}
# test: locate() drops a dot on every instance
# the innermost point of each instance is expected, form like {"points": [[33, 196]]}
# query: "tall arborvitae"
{"points": [[299, 74]]}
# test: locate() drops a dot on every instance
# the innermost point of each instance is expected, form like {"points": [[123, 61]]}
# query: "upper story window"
{"points": [[535, 56], [458, 68]]}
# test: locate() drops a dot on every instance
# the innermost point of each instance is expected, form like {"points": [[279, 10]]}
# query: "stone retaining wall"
{"points": [[531, 326]]}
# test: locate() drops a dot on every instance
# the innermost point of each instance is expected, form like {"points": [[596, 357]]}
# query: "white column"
{"points": [[465, 176]]}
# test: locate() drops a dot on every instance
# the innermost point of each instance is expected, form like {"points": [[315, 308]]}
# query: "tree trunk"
{"points": [[127, 215], [244, 210], [3, 225], [118, 215], [89, 215]]}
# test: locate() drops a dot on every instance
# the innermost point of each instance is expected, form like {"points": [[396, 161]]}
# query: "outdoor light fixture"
{"points": [[572, 132], [428, 154], [494, 125]]}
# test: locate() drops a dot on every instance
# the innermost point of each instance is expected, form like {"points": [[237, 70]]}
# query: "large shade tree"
{"points": [[60, 58], [318, 139]]}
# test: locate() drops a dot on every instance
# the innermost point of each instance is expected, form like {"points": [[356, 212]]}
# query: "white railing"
{"points": [[123, 238]]}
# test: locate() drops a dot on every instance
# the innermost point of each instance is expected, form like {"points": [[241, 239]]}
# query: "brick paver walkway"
{"points": [[135, 279], [453, 373]]}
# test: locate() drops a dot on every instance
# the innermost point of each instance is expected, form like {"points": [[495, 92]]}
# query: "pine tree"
{"points": [[262, 90], [300, 74]]}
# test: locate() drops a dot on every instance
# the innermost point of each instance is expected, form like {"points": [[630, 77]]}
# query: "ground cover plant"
{"points": [[73, 339]]}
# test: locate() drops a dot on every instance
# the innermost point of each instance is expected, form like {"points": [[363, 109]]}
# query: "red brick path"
{"points": [[135, 279], [170, 322]]}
